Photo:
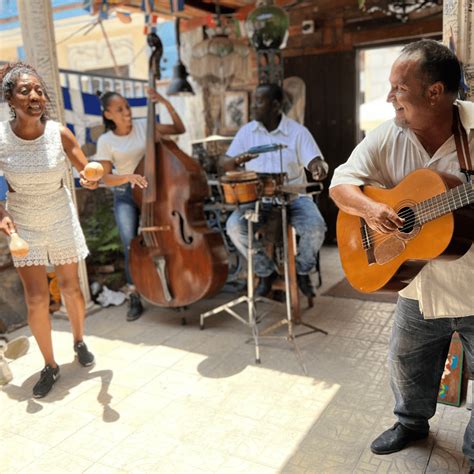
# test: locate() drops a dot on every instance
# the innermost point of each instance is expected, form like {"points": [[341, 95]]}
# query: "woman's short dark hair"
{"points": [[105, 99], [437, 63], [9, 75]]}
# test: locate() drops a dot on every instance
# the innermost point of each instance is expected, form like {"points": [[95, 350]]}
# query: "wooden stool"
{"points": [[279, 283]]}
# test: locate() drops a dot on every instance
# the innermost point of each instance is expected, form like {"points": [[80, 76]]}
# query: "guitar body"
{"points": [[391, 261]]}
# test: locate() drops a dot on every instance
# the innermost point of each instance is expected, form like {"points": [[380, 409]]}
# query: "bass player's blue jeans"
{"points": [[418, 350], [127, 217]]}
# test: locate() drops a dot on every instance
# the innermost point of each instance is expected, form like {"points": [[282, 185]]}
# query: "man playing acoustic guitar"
{"points": [[440, 300]]}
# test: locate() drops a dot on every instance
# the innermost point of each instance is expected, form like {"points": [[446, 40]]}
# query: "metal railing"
{"points": [[92, 82]]}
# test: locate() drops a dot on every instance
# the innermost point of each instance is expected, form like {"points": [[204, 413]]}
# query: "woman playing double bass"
{"points": [[122, 146]]}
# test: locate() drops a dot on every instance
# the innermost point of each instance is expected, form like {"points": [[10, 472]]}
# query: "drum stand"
{"points": [[288, 320], [252, 216]]}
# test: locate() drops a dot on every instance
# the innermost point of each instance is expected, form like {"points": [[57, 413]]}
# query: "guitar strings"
{"points": [[434, 206]]}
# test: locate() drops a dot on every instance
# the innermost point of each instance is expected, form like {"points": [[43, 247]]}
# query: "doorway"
{"points": [[373, 70]]}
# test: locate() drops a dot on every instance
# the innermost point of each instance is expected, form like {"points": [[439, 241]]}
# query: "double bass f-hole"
{"points": [[186, 239]]}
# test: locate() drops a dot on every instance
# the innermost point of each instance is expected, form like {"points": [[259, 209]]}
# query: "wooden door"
{"points": [[330, 113]]}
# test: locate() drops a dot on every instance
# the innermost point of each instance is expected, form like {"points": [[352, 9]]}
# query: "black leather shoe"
{"points": [[135, 308], [265, 285], [305, 285], [395, 439]]}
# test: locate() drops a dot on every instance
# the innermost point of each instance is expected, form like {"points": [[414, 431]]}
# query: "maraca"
{"points": [[18, 247], [93, 171]]}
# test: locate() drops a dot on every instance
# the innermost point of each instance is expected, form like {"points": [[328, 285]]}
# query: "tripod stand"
{"points": [[288, 320], [252, 216]]}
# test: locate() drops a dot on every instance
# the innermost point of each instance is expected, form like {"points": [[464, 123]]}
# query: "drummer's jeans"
{"points": [[304, 216], [417, 355], [127, 217]]}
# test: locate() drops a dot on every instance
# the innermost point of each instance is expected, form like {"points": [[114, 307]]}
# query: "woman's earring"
{"points": [[12, 112]]}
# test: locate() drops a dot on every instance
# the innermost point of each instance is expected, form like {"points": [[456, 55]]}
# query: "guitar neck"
{"points": [[444, 203]]}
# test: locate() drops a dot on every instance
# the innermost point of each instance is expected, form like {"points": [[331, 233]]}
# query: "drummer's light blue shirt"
{"points": [[301, 148]]}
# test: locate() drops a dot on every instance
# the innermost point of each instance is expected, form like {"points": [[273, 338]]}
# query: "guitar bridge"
{"points": [[367, 242]]}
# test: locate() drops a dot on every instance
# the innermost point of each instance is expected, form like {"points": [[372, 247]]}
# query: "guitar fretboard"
{"points": [[444, 203]]}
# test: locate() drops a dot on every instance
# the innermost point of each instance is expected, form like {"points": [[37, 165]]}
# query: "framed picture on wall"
{"points": [[235, 111]]}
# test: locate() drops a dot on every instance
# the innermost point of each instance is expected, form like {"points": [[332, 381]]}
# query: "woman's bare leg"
{"points": [[35, 285], [68, 279]]}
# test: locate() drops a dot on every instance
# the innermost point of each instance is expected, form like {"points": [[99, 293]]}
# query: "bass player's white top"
{"points": [[123, 151]]}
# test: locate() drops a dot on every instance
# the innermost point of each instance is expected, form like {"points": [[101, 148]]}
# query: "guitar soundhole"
{"points": [[408, 214]]}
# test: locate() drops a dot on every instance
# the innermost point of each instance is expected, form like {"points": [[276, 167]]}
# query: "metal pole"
{"points": [[37, 29]]}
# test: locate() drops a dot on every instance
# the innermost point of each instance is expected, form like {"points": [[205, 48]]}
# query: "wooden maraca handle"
{"points": [[18, 246], [93, 171]]}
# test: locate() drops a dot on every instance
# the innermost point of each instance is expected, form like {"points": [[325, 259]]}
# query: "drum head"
{"points": [[239, 176]]}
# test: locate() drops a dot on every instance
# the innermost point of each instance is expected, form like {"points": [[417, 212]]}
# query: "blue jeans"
{"points": [[418, 350], [304, 216], [127, 216]]}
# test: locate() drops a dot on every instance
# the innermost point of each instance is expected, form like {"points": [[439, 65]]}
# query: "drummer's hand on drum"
{"points": [[318, 168], [244, 157], [137, 180]]}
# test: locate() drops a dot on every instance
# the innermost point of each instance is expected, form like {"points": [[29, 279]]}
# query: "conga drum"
{"points": [[240, 187]]}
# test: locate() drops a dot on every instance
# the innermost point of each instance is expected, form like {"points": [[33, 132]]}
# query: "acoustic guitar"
{"points": [[439, 223]]}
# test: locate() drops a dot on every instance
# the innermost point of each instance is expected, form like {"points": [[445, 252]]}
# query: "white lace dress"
{"points": [[41, 206]]}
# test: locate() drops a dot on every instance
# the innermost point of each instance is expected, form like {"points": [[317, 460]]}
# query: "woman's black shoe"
{"points": [[47, 379], [395, 439], [84, 356], [135, 308]]}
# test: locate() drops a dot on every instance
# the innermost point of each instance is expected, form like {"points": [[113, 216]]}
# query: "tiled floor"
{"points": [[169, 398]]}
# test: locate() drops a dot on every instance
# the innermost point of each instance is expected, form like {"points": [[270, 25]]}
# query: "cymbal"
{"points": [[212, 138]]}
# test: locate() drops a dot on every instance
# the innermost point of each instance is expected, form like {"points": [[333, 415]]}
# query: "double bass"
{"points": [[176, 259]]}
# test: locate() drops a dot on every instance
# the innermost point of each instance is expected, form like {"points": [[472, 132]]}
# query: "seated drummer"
{"points": [[271, 126]]}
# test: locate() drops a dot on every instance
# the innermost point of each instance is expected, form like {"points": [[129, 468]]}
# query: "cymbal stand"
{"points": [[288, 320], [252, 216]]}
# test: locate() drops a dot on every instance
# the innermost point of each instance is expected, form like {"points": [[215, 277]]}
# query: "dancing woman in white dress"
{"points": [[33, 153]]}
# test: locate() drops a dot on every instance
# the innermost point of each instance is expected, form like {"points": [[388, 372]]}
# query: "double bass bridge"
{"points": [[155, 228]]}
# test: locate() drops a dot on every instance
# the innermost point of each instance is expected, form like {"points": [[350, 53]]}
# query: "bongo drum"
{"points": [[271, 182], [240, 187]]}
